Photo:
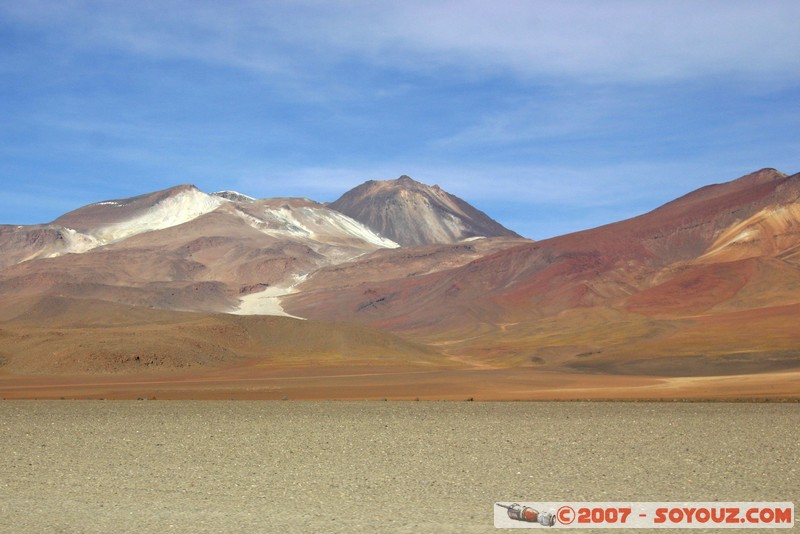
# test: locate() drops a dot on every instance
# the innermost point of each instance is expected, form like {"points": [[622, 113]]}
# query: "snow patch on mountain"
{"points": [[177, 209], [76, 242], [313, 223], [352, 227], [268, 302], [172, 211], [69, 242]]}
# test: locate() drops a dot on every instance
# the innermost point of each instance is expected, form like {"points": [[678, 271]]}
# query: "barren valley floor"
{"points": [[377, 382], [299, 466]]}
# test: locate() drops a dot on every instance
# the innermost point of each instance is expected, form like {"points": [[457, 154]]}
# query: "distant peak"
{"points": [[404, 182], [407, 181], [413, 213], [183, 187], [762, 176]]}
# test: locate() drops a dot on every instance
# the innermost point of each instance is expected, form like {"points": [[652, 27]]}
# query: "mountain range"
{"points": [[398, 272]]}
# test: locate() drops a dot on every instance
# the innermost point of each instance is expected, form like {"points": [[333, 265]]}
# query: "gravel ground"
{"points": [[272, 466]]}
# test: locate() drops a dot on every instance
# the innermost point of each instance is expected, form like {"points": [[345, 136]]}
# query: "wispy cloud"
{"points": [[607, 41], [547, 115], [613, 41], [570, 105]]}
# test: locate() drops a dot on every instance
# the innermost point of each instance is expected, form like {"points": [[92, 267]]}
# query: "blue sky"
{"points": [[550, 116]]}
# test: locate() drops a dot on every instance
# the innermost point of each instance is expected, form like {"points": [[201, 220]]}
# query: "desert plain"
{"points": [[356, 466], [369, 382]]}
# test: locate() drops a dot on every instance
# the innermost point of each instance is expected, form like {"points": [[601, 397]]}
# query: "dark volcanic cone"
{"points": [[411, 213]]}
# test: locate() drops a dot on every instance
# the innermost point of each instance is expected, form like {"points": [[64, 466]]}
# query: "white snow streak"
{"points": [[268, 302], [321, 224], [178, 209]]}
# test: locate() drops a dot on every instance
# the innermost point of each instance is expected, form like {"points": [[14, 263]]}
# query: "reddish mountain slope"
{"points": [[708, 283], [721, 249], [607, 264]]}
